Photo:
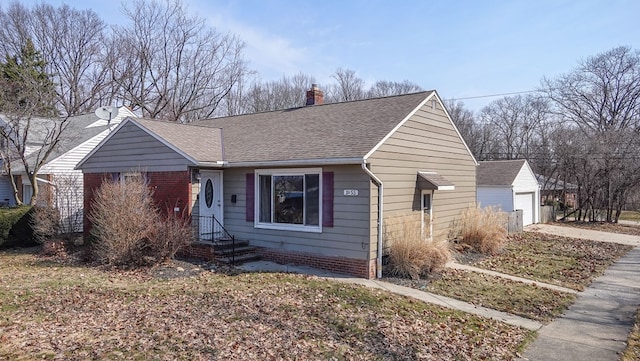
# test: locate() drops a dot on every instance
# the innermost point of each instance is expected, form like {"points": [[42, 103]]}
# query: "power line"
{"points": [[496, 95]]}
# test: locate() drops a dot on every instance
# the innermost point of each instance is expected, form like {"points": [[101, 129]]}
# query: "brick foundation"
{"points": [[350, 266], [198, 251]]}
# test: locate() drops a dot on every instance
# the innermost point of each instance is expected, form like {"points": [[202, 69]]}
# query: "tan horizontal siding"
{"points": [[426, 142]]}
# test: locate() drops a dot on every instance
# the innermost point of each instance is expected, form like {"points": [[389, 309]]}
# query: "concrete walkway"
{"points": [[575, 232]]}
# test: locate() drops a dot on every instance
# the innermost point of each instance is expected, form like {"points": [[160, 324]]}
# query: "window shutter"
{"points": [[250, 195], [327, 199]]}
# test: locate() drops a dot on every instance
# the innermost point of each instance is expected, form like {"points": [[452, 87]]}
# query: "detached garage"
{"points": [[509, 185]]}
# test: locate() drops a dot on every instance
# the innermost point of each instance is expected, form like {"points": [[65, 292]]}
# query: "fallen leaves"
{"points": [[562, 261], [78, 313]]}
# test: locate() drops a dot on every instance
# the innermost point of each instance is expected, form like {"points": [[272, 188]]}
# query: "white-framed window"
{"points": [[289, 199], [426, 204]]}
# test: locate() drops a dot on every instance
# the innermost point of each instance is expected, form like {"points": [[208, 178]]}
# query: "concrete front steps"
{"points": [[224, 251]]}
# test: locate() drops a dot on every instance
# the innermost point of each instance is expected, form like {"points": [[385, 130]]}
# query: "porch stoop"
{"points": [[224, 251]]}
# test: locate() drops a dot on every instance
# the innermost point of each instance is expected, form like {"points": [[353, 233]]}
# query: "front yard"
{"points": [[73, 312]]}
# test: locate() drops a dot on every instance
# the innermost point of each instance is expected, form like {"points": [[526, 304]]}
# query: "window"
{"points": [[427, 227], [289, 199]]}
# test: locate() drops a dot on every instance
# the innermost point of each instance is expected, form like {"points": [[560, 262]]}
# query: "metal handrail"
{"points": [[214, 232]]}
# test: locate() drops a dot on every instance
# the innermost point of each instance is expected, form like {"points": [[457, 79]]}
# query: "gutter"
{"points": [[378, 182], [282, 163]]}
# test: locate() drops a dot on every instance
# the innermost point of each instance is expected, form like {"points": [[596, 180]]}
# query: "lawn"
{"points": [[518, 298], [64, 311], [630, 216], [632, 351], [566, 262]]}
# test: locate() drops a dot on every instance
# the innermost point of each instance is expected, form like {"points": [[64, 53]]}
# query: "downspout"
{"points": [[378, 182]]}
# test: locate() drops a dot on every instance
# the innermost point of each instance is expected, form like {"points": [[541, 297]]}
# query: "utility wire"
{"points": [[496, 95]]}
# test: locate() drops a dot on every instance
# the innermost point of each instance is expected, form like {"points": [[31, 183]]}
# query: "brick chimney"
{"points": [[315, 96]]}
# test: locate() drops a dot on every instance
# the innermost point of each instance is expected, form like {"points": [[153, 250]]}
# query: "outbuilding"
{"points": [[509, 185]]}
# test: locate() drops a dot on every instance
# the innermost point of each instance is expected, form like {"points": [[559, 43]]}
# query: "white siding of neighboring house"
{"points": [[498, 197], [68, 192]]}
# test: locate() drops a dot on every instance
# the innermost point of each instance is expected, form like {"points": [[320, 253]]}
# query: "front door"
{"points": [[211, 206]]}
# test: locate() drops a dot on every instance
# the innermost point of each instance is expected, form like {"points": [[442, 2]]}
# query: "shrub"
{"points": [[483, 229], [15, 229], [128, 229], [410, 254], [168, 235], [45, 223], [123, 215]]}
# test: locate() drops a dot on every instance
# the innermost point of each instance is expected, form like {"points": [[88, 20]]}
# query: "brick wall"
{"points": [[171, 190], [354, 267]]}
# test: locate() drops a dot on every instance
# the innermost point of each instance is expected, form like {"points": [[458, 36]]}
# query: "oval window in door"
{"points": [[208, 193]]}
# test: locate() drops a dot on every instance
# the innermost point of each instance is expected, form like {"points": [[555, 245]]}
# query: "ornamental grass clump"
{"points": [[482, 229], [411, 254]]}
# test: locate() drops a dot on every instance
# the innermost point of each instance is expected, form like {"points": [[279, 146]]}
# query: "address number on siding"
{"points": [[351, 192]]}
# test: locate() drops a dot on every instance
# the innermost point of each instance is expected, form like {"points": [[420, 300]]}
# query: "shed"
{"points": [[509, 185]]}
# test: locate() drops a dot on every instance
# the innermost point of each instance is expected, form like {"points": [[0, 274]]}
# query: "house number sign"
{"points": [[350, 192], [208, 193]]}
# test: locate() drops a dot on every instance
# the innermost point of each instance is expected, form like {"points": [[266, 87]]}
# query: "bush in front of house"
{"points": [[411, 254], [15, 228], [45, 223], [129, 229], [482, 229]]}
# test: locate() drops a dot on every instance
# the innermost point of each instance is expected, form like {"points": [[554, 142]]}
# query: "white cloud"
{"points": [[271, 55]]}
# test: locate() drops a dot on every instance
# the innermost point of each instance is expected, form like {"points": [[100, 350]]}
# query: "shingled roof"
{"points": [[329, 131], [498, 172], [202, 144]]}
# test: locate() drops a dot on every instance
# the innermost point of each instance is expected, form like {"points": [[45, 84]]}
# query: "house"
{"points": [[509, 185], [554, 191], [60, 184], [311, 185]]}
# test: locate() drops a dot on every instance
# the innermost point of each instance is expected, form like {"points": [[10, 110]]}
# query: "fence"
{"points": [[514, 221], [547, 214]]}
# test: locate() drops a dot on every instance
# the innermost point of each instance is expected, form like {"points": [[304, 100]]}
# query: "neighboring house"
{"points": [[312, 185], [509, 185], [554, 191], [60, 184]]}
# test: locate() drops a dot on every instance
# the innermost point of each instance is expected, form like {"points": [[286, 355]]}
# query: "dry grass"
{"points": [[53, 311], [482, 229], [562, 261], [410, 254], [632, 351]]}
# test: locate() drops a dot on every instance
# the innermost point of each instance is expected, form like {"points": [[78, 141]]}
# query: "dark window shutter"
{"points": [[327, 199], [250, 192]]}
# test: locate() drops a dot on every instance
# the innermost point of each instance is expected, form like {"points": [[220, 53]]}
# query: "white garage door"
{"points": [[525, 202]]}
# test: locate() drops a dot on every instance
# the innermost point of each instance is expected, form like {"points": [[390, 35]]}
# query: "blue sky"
{"points": [[460, 48]]}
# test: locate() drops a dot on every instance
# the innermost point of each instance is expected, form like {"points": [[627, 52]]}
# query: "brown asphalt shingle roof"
{"points": [[203, 144], [329, 131], [498, 172]]}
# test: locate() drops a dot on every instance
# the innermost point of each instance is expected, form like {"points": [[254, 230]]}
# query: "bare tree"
{"points": [[515, 122], [171, 65], [384, 88], [72, 43], [348, 87], [601, 97]]}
